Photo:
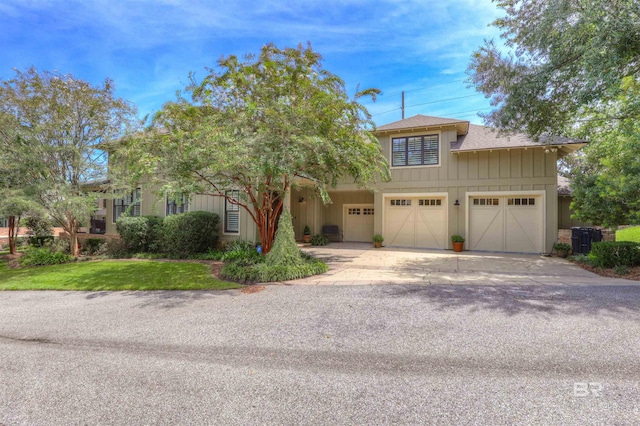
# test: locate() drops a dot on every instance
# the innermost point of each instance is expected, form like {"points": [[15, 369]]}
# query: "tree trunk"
{"points": [[14, 228], [73, 236]]}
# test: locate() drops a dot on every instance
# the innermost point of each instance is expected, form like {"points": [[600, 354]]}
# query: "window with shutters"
{"points": [[231, 213], [415, 151], [177, 205], [130, 204]]}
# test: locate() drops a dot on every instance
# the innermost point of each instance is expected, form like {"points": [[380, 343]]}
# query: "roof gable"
{"points": [[421, 122]]}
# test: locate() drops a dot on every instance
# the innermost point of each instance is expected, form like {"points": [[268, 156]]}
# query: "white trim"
{"points": [[444, 195], [413, 134], [224, 216], [536, 193]]}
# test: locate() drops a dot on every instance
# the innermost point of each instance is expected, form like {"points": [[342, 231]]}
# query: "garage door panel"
{"points": [[416, 222], [358, 222], [430, 228], [487, 228], [523, 231], [506, 223], [400, 226]]}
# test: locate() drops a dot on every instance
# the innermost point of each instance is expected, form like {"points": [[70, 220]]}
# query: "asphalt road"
{"points": [[394, 354]]}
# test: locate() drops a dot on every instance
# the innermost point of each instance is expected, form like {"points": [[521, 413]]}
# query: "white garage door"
{"points": [[506, 223], [358, 222], [416, 222]]}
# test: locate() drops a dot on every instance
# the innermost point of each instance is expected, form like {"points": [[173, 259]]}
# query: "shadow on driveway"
{"points": [[589, 300]]}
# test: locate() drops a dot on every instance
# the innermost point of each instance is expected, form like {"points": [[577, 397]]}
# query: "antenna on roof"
{"points": [[403, 104]]}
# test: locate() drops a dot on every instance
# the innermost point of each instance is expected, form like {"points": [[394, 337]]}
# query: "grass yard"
{"points": [[113, 275], [629, 234]]}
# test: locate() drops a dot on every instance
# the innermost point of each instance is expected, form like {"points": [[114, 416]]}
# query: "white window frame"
{"points": [[234, 208]]}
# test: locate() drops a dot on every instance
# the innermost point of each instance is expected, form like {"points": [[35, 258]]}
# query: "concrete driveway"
{"points": [[361, 264]]}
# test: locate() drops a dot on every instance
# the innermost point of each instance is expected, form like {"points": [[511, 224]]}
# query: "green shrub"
{"points": [[113, 248], [562, 247], [91, 246], [319, 240], [285, 250], [37, 224], [39, 256], [284, 262], [582, 258], [609, 254], [621, 270], [240, 250], [190, 233], [40, 240], [211, 254], [239, 272], [140, 233]]}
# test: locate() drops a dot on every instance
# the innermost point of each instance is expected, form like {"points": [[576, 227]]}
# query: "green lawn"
{"points": [[113, 275], [629, 234]]}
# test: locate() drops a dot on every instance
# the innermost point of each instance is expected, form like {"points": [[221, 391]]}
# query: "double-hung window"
{"points": [[415, 151], [130, 203], [231, 213], [177, 205]]}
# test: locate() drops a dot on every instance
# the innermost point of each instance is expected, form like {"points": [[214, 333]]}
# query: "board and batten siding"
{"points": [[460, 173]]}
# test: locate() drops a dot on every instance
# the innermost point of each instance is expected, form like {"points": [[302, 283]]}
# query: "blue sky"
{"points": [[148, 48]]}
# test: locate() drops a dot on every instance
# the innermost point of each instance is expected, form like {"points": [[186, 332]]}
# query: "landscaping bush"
{"points": [[190, 233], [284, 262], [37, 224], [92, 246], [241, 250], [39, 256], [609, 254], [140, 233], [40, 240], [113, 248], [319, 240]]}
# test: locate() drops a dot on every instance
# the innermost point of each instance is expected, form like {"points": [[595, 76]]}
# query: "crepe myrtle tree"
{"points": [[57, 125], [253, 128]]}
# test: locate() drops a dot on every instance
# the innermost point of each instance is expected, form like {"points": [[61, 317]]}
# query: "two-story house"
{"points": [[447, 177]]}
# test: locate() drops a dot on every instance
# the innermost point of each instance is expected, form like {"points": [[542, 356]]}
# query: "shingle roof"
{"points": [[419, 121], [482, 137], [472, 137]]}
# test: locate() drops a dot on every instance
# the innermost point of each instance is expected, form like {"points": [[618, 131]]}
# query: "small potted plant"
{"points": [[458, 242], [306, 234], [562, 249], [377, 240]]}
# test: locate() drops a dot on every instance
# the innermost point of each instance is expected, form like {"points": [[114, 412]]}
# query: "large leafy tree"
{"points": [[57, 124], [566, 56], [261, 125], [606, 175]]}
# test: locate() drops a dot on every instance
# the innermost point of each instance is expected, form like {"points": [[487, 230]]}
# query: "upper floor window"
{"points": [[415, 151], [130, 203], [177, 205]]}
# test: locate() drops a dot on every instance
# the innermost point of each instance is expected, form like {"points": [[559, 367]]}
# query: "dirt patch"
{"points": [[252, 289], [634, 273], [12, 260]]}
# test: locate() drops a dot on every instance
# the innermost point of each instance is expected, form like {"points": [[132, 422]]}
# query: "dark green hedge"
{"points": [[140, 233], [40, 240], [609, 254], [190, 233]]}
